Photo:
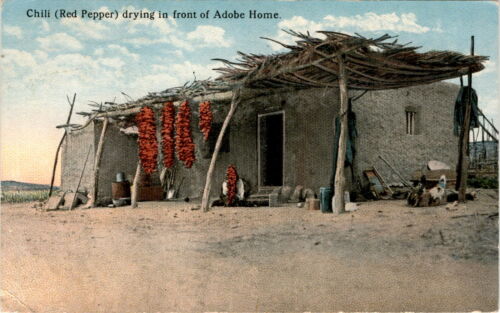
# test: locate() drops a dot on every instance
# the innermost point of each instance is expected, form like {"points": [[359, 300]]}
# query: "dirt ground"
{"points": [[165, 257]]}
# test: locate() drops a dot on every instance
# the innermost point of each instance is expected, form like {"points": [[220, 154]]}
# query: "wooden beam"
{"points": [[97, 165], [135, 185], [208, 184], [56, 159], [486, 131], [339, 204], [487, 120], [463, 144]]}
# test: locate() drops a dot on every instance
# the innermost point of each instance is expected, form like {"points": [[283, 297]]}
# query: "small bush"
{"points": [[24, 196], [483, 182]]}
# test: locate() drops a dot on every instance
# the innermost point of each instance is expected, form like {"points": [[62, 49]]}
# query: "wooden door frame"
{"points": [[259, 178]]}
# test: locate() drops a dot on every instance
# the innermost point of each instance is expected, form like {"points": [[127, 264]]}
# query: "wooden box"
{"points": [[150, 193]]}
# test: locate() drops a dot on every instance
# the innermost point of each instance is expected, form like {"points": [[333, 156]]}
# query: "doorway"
{"points": [[271, 148]]}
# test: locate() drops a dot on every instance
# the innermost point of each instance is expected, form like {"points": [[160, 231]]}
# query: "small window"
{"points": [[411, 122]]}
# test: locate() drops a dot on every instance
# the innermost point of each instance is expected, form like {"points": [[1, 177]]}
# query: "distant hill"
{"points": [[8, 185]]}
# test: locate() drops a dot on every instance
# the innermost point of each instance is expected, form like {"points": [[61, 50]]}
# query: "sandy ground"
{"points": [[165, 257]]}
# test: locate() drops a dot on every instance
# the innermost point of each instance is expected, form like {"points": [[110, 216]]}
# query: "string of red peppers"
{"points": [[206, 117], [183, 140], [232, 179], [148, 145], [167, 134]]}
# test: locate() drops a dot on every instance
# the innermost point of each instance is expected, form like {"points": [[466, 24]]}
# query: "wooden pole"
{"points": [[97, 164], [463, 144], [135, 184], [339, 204], [56, 159], [208, 184]]}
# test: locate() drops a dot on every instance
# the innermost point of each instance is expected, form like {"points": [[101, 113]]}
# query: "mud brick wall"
{"points": [[309, 116], [74, 151], [119, 155], [382, 129]]}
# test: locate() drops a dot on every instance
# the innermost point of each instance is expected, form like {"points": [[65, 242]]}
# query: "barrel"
{"points": [[120, 190], [325, 196]]}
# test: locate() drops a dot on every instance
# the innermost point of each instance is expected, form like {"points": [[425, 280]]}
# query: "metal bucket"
{"points": [[325, 196], [120, 177]]}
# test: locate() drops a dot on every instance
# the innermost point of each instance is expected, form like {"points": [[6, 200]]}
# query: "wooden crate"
{"points": [[150, 193]]}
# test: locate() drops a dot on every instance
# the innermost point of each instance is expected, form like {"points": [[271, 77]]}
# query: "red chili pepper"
{"points": [[232, 179], [206, 117], [167, 134], [183, 140], [148, 145]]}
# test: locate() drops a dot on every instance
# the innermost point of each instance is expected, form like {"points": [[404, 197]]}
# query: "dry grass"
{"points": [[18, 196]]}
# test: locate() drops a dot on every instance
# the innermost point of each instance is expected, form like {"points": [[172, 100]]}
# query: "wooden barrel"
{"points": [[120, 190]]}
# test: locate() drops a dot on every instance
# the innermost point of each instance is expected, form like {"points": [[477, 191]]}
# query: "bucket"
{"points": [[312, 204], [325, 196], [120, 177], [273, 199]]}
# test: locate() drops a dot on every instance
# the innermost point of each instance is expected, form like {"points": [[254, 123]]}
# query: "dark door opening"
{"points": [[271, 139]]}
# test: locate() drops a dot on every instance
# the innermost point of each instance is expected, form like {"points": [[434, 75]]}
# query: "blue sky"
{"points": [[45, 59]]}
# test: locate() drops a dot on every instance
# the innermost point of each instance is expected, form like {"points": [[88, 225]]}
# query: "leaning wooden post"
{"points": [[463, 144], [135, 184], [339, 204], [208, 184], [71, 105], [97, 164]]}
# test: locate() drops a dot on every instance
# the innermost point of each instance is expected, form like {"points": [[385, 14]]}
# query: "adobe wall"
{"points": [[308, 141], [73, 154], [119, 154], [382, 129], [309, 116]]}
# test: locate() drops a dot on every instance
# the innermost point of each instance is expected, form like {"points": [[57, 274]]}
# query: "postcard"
{"points": [[230, 156]]}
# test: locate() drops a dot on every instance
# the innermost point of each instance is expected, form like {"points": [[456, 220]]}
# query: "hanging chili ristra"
{"points": [[183, 141], [232, 179], [167, 134], [206, 117], [148, 145]]}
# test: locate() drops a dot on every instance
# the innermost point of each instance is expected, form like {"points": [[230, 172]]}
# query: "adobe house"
{"points": [[280, 113]]}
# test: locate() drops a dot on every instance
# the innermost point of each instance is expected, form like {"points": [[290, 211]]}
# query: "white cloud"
{"points": [[300, 24], [41, 55], [184, 71], [112, 62], [45, 26], [159, 68], [142, 41], [14, 31], [59, 41], [86, 28], [99, 51], [489, 67], [368, 22], [207, 35], [202, 36], [18, 57], [490, 107], [153, 82], [406, 22], [124, 51], [164, 76]]}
